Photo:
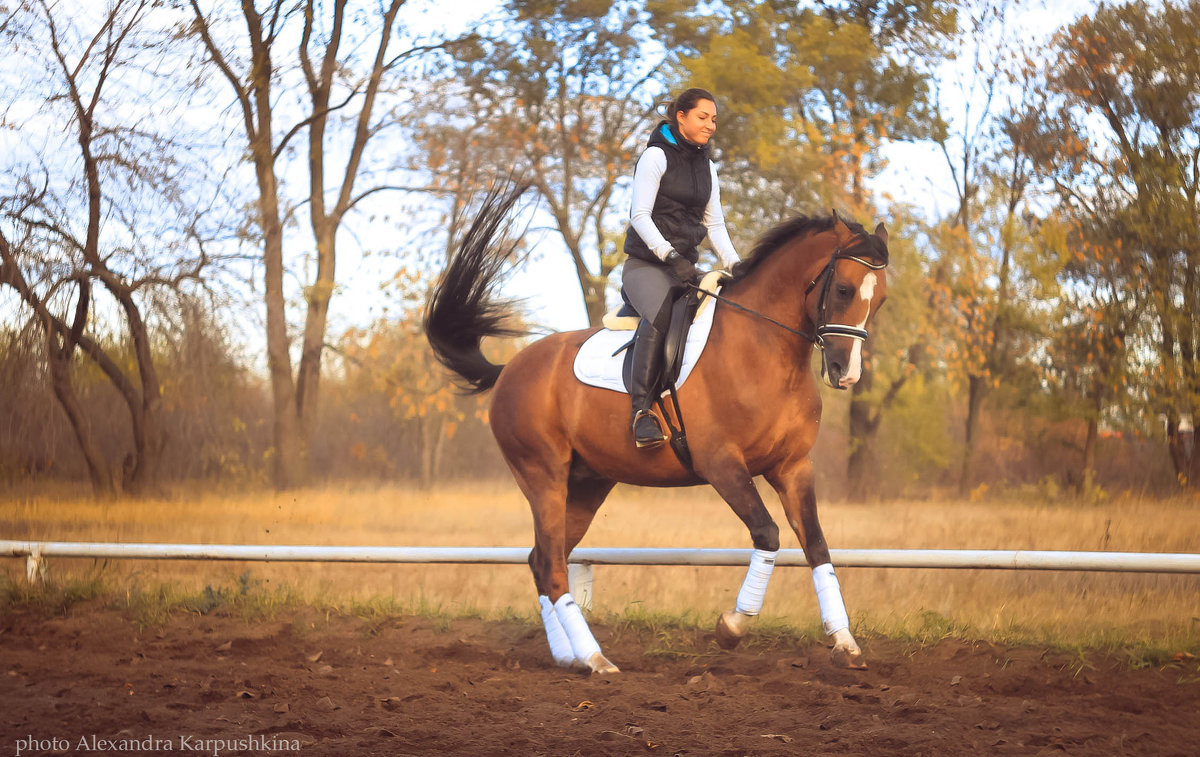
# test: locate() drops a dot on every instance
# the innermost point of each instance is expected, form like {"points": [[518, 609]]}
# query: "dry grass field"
{"points": [[1106, 610]]}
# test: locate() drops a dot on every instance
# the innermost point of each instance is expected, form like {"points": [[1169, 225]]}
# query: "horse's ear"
{"points": [[881, 232], [839, 225]]}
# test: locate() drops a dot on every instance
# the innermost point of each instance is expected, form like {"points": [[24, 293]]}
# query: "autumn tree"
{"points": [[561, 94], [1092, 358], [1120, 142], [987, 244], [810, 96]]}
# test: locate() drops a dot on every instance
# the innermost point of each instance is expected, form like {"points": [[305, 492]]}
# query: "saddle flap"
{"points": [[683, 312]]}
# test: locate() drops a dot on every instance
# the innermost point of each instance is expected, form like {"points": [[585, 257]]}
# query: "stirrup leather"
{"points": [[646, 440]]}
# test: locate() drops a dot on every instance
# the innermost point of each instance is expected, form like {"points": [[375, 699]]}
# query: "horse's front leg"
{"points": [[735, 485], [794, 483]]}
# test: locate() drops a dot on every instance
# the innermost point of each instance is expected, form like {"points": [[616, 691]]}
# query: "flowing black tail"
{"points": [[462, 308]]}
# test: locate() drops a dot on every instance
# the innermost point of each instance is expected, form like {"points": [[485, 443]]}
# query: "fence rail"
{"points": [[582, 559], [1017, 559]]}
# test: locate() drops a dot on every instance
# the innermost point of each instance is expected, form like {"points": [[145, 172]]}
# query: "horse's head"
{"points": [[844, 297]]}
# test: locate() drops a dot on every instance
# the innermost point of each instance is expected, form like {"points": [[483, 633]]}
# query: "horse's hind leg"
{"points": [[561, 514], [794, 483]]}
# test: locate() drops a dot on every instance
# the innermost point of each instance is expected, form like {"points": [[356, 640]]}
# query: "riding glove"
{"points": [[684, 269]]}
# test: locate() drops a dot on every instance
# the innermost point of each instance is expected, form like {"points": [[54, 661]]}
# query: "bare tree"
{"points": [[338, 83], [76, 230]]}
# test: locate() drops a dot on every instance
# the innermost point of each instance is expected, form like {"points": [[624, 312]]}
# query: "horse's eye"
{"points": [[845, 291]]}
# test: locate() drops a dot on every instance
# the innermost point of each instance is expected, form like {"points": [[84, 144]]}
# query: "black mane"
{"points": [[800, 226]]}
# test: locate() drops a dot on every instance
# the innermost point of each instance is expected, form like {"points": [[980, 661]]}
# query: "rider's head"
{"points": [[694, 114]]}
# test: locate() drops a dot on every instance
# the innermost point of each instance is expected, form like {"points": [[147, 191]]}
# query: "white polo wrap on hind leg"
{"points": [[560, 645], [583, 644], [829, 597], [754, 588]]}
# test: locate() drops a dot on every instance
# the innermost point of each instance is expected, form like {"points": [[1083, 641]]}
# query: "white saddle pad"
{"points": [[595, 364]]}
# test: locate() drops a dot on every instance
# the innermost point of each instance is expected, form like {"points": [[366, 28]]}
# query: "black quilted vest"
{"points": [[682, 196]]}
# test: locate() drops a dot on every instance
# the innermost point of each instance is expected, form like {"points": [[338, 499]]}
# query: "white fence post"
{"points": [[579, 582], [35, 567]]}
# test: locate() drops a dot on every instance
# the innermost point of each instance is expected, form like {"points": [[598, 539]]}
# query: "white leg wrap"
{"points": [[583, 644], [560, 645], [754, 588], [829, 597]]}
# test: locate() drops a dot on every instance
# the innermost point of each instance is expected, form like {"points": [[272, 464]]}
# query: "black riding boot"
{"points": [[646, 368]]}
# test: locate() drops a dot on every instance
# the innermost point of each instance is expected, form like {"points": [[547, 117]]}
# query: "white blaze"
{"points": [[867, 290], [854, 369]]}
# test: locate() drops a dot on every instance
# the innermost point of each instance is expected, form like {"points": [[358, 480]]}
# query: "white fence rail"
{"points": [[36, 553]]}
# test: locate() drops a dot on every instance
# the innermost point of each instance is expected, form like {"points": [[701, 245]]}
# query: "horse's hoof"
{"points": [[731, 627], [600, 665], [846, 653]]}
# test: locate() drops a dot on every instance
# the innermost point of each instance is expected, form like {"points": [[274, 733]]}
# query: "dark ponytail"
{"points": [[686, 101]]}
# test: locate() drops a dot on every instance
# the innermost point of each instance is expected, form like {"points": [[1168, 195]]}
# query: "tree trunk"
{"points": [[318, 296], [289, 451], [594, 302], [1182, 448], [977, 387], [289, 448], [863, 427], [1087, 475], [101, 477], [432, 433]]}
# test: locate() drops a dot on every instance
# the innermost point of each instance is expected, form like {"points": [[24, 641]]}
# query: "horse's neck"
{"points": [[777, 286]]}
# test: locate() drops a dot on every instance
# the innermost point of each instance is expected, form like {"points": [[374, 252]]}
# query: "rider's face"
{"points": [[699, 123]]}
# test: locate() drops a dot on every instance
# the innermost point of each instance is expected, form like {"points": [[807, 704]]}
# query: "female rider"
{"points": [[676, 204]]}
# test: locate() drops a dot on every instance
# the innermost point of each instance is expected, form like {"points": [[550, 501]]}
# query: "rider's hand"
{"points": [[684, 269]]}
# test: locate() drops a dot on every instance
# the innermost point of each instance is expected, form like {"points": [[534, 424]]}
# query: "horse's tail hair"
{"points": [[462, 308]]}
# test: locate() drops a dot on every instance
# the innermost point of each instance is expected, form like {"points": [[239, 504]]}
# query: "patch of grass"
{"points": [[661, 634], [51, 597]]}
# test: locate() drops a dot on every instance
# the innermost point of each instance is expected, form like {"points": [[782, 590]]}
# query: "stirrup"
{"points": [[643, 442]]}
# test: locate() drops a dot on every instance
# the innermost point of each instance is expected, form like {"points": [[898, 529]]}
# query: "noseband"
{"points": [[824, 328]]}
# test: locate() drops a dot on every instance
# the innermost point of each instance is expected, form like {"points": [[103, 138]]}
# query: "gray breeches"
{"points": [[651, 289]]}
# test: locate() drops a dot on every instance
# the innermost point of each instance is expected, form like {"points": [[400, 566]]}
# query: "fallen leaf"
{"points": [[225, 647], [584, 705], [315, 656], [282, 707], [778, 737], [956, 680], [245, 694], [327, 703]]}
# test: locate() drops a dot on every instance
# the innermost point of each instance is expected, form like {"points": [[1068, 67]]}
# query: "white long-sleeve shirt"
{"points": [[646, 178]]}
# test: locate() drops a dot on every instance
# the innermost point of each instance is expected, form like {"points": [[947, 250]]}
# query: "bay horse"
{"points": [[751, 404]]}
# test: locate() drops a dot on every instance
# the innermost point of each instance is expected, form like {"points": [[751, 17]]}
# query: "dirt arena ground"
{"points": [[92, 682]]}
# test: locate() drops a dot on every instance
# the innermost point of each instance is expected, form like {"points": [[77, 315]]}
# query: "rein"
{"points": [[825, 329], [810, 337]]}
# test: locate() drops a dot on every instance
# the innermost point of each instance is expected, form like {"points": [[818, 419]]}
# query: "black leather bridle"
{"points": [[824, 328]]}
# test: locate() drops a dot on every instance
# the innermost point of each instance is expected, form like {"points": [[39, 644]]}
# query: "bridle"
{"points": [[824, 328]]}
